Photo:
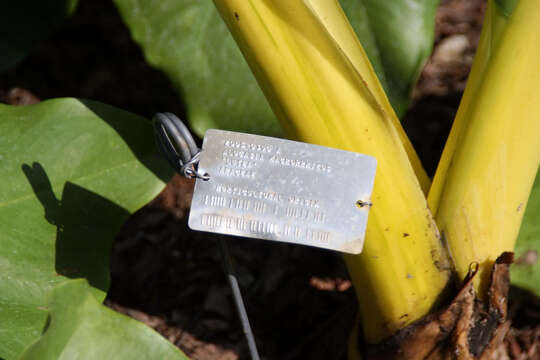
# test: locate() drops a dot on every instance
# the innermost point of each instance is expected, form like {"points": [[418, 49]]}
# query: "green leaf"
{"points": [[71, 172], [526, 271], [24, 23], [81, 328], [188, 41], [506, 6], [397, 36]]}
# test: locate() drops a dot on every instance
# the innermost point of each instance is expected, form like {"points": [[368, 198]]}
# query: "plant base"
{"points": [[469, 328]]}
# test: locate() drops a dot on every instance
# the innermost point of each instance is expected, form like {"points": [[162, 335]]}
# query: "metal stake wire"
{"points": [[238, 301], [178, 147]]}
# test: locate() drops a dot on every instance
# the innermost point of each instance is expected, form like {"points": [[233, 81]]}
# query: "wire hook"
{"points": [[177, 145]]}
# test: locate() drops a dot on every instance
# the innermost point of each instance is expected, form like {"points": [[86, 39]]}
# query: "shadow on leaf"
{"points": [[86, 225], [137, 133]]}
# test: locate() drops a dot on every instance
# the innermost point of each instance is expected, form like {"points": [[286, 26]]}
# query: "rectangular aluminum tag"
{"points": [[275, 189]]}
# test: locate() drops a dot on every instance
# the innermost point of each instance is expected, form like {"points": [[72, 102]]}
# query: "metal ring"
{"points": [[177, 145], [185, 133]]}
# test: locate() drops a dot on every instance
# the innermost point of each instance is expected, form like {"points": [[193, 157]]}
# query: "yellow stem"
{"points": [[322, 88], [489, 163]]}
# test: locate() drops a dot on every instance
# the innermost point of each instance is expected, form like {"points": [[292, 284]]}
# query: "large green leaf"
{"points": [[81, 328], [24, 23], [71, 172], [192, 45], [526, 271], [188, 40]]}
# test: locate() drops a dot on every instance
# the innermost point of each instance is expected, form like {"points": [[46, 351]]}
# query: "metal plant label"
{"points": [[281, 190]]}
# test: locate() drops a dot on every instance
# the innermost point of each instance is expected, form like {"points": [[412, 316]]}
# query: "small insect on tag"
{"points": [[275, 189]]}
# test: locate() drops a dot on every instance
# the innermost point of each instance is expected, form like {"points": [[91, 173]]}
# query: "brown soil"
{"points": [[299, 299]]}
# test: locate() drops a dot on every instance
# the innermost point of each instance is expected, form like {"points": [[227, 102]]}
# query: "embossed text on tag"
{"points": [[275, 189]]}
